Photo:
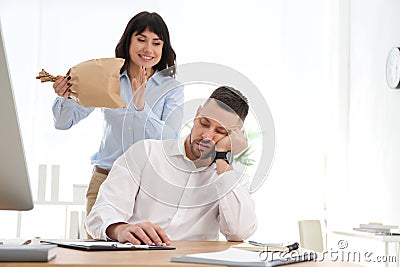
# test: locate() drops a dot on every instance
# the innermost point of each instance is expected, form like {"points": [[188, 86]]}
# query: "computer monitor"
{"points": [[15, 192]]}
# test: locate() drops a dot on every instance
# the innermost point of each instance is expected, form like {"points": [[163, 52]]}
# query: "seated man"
{"points": [[181, 189]]}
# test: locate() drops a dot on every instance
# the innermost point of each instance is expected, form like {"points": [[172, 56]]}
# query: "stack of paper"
{"points": [[238, 257], [376, 228]]}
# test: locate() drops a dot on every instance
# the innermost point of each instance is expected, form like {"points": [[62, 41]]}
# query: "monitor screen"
{"points": [[15, 192]]}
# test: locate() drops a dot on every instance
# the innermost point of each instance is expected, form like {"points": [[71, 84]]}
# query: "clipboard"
{"points": [[103, 245]]}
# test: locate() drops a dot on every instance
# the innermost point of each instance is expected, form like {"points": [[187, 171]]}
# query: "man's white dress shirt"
{"points": [[154, 181]]}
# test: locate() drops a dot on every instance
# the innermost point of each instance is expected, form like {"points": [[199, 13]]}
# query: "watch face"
{"points": [[229, 157], [393, 68]]}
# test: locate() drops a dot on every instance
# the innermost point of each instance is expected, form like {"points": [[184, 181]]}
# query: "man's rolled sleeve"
{"points": [[236, 207]]}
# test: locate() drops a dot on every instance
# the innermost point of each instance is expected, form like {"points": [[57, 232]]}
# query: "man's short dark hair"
{"points": [[231, 100]]}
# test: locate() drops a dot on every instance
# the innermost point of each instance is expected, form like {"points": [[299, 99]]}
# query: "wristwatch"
{"points": [[227, 156]]}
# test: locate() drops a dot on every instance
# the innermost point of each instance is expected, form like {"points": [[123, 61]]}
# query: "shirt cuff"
{"points": [[106, 238], [62, 102], [104, 234]]}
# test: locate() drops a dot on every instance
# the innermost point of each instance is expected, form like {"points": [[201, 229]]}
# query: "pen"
{"points": [[141, 246], [293, 246], [290, 248], [144, 246], [387, 234], [258, 244]]}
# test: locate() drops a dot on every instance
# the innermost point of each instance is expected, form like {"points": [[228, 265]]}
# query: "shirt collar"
{"points": [[123, 74], [180, 148], [157, 77]]}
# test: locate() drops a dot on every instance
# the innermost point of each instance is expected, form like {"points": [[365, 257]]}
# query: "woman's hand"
{"points": [[139, 89], [62, 86]]}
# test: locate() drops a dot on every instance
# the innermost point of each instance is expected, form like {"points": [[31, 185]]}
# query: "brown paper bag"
{"points": [[95, 83]]}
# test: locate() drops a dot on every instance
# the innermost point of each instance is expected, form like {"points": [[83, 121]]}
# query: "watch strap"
{"points": [[222, 155]]}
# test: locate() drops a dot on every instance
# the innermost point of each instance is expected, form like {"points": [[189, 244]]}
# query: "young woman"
{"points": [[146, 79]]}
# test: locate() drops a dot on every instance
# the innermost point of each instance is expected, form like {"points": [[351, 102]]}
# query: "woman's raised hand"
{"points": [[139, 89]]}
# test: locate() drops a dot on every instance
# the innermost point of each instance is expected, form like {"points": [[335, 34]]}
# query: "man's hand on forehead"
{"points": [[235, 141], [238, 140]]}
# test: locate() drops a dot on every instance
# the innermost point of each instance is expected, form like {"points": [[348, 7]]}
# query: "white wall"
{"points": [[369, 192], [289, 49], [374, 144]]}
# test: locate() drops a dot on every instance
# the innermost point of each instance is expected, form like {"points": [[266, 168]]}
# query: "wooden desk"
{"points": [[75, 258]]}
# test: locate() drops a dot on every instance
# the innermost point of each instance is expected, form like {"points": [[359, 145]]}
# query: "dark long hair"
{"points": [[137, 25]]}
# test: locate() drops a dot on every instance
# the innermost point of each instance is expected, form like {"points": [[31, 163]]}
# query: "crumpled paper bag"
{"points": [[94, 83]]}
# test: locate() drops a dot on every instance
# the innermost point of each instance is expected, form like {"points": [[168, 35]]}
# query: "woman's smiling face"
{"points": [[145, 49]]}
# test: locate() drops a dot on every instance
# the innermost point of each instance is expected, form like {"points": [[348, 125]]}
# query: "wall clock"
{"points": [[393, 68]]}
